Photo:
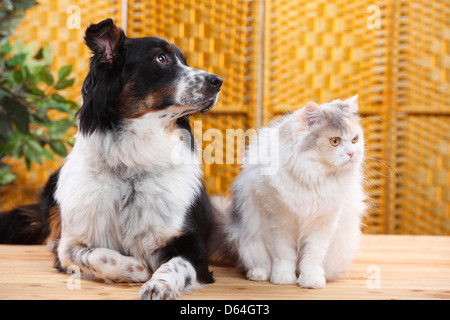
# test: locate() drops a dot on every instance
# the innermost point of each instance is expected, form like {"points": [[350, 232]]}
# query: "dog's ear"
{"points": [[105, 40], [103, 84]]}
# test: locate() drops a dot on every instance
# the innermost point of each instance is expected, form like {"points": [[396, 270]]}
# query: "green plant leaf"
{"points": [[34, 90], [58, 147], [6, 129], [70, 141], [60, 106], [47, 154], [47, 55], [18, 77], [16, 60], [6, 177], [34, 66], [17, 46], [23, 4], [28, 49], [64, 72], [6, 48], [46, 76], [58, 128], [18, 113], [33, 151], [13, 145], [40, 118], [26, 129], [58, 98], [2, 67], [64, 83]]}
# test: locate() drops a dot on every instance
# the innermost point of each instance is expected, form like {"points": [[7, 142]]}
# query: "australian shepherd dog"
{"points": [[129, 205]]}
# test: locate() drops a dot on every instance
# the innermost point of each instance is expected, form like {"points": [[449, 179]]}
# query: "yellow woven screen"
{"points": [[219, 37], [395, 54], [423, 56], [422, 192], [420, 119], [326, 50], [322, 50], [216, 36]]}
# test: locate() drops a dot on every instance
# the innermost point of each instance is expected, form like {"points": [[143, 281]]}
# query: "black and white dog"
{"points": [[128, 205]]}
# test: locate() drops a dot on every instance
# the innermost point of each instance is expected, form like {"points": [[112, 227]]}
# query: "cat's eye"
{"points": [[355, 139], [335, 141]]}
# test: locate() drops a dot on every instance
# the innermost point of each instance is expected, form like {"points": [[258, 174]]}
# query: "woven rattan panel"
{"points": [[420, 119], [395, 54], [422, 192], [422, 50], [216, 36], [325, 50], [210, 132]]}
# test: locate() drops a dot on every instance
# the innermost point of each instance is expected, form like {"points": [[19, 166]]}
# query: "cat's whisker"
{"points": [[387, 165], [370, 182]]}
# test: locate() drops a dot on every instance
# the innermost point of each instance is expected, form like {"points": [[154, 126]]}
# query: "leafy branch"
{"points": [[29, 93]]}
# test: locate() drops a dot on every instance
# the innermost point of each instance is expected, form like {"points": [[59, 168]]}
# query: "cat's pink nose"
{"points": [[351, 154]]}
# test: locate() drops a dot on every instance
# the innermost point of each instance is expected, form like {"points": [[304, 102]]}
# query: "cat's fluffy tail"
{"points": [[219, 248]]}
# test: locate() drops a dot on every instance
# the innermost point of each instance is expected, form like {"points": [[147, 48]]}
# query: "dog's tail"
{"points": [[23, 225], [220, 249], [33, 224]]}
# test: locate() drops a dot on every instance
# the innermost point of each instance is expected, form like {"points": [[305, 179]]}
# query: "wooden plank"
{"points": [[387, 267]]}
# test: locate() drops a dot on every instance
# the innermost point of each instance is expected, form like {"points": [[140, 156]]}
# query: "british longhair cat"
{"points": [[302, 223]]}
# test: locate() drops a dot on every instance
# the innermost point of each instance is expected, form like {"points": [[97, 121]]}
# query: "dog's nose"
{"points": [[214, 80]]}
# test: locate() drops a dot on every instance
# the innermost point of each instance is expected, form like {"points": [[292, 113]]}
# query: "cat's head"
{"points": [[333, 133]]}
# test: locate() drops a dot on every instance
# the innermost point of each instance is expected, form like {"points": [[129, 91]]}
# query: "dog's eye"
{"points": [[161, 58]]}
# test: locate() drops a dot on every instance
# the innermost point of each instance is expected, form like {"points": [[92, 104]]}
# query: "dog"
{"points": [[128, 204]]}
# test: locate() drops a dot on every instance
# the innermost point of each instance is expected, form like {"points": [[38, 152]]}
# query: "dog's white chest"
{"points": [[152, 206], [134, 208]]}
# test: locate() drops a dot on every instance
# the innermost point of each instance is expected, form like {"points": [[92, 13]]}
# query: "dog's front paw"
{"points": [[158, 290]]}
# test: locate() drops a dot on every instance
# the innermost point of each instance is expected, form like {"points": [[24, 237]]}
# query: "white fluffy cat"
{"points": [[302, 224]]}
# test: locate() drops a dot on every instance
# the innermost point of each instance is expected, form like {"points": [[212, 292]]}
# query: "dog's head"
{"points": [[131, 77]]}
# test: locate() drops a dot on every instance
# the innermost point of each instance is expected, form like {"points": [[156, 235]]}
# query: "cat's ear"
{"points": [[353, 104], [311, 114]]}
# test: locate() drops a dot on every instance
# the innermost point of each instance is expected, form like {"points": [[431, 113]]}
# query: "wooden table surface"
{"points": [[387, 267]]}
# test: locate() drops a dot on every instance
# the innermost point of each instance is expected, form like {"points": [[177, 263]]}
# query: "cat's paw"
{"points": [[258, 274], [283, 277], [313, 281]]}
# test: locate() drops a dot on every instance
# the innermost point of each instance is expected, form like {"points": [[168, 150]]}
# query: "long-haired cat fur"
{"points": [[302, 223]]}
